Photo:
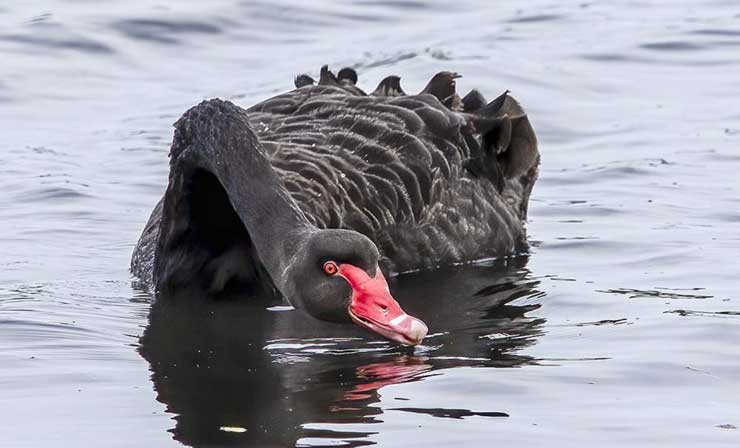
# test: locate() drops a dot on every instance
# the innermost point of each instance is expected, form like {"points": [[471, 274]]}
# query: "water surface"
{"points": [[621, 326]]}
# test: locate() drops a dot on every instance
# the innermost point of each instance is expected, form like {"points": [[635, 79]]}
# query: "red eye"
{"points": [[330, 268]]}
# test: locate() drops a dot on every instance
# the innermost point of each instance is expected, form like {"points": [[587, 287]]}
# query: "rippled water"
{"points": [[621, 327]]}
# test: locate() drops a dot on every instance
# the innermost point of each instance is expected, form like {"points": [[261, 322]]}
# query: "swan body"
{"points": [[386, 182]]}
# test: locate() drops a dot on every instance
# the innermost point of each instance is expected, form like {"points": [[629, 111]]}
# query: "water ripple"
{"points": [[84, 45], [535, 18], [673, 46], [163, 31]]}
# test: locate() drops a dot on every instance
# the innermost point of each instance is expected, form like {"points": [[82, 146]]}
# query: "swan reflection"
{"points": [[272, 377]]}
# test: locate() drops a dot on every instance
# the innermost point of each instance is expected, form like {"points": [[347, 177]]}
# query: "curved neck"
{"points": [[215, 136]]}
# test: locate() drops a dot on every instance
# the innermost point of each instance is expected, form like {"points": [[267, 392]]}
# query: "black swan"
{"points": [[314, 193]]}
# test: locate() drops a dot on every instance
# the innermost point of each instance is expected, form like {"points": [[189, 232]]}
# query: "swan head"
{"points": [[334, 276]]}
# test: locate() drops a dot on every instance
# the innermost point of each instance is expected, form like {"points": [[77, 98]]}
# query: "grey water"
{"points": [[621, 326]]}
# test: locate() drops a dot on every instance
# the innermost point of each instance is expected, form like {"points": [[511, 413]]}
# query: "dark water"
{"points": [[621, 327]]}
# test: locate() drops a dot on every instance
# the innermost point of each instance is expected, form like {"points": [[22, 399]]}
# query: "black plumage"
{"points": [[430, 179]]}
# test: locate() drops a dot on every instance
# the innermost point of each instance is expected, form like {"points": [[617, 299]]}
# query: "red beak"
{"points": [[373, 307]]}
